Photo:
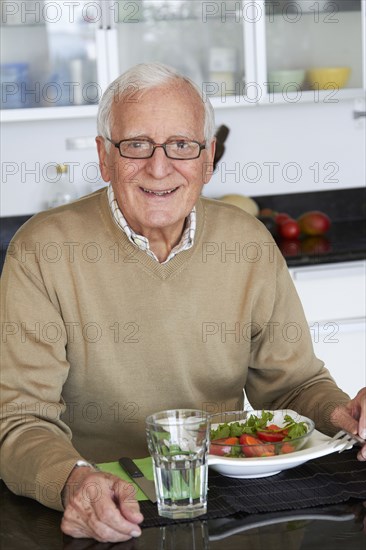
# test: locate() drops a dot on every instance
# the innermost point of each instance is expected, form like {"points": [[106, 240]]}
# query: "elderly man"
{"points": [[154, 300]]}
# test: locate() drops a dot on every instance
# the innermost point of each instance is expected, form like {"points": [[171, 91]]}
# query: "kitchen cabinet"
{"points": [[301, 37], [68, 51], [211, 42], [334, 301], [50, 57], [63, 54]]}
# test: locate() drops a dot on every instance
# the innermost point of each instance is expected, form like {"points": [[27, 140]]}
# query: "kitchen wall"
{"points": [[290, 149], [271, 149]]}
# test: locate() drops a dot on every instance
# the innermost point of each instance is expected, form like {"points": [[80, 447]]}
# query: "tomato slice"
{"points": [[253, 447], [271, 436], [275, 428], [222, 447], [232, 441], [268, 450], [287, 448]]}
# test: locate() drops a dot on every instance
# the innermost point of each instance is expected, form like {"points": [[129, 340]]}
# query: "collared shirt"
{"points": [[142, 242]]}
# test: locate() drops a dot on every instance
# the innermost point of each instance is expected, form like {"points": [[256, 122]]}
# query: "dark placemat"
{"points": [[327, 480]]}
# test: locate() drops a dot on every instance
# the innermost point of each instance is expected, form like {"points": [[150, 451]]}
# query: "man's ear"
{"points": [[103, 159], [208, 166]]}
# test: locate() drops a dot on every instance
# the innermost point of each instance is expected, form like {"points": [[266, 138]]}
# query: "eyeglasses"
{"points": [[177, 149]]}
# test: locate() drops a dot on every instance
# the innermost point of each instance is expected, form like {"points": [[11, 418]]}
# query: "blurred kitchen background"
{"points": [[255, 60], [286, 78]]}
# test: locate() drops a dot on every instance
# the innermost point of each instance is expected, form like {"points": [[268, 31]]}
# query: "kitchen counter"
{"points": [[345, 241], [308, 507]]}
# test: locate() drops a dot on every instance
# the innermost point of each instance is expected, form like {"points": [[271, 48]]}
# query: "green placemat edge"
{"points": [[145, 465]]}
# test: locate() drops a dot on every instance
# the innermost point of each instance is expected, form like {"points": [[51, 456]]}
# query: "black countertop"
{"points": [[309, 506], [345, 241], [26, 524]]}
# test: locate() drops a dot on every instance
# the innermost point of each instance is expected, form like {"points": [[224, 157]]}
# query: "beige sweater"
{"points": [[97, 335]]}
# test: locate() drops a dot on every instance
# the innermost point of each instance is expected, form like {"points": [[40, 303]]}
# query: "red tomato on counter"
{"points": [[290, 247], [289, 229], [314, 223], [281, 217]]}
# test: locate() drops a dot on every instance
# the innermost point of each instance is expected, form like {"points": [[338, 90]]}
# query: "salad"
{"points": [[257, 437]]}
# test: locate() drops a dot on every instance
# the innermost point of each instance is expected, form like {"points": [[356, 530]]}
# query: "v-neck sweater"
{"points": [[98, 335]]}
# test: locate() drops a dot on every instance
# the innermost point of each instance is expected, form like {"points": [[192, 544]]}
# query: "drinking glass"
{"points": [[178, 442]]}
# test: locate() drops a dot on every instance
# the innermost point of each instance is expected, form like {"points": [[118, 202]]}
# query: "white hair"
{"points": [[143, 77]]}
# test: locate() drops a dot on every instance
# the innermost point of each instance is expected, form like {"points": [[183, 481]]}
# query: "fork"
{"points": [[347, 438]]}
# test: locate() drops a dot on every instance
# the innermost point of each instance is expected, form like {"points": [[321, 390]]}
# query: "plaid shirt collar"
{"points": [[142, 242]]}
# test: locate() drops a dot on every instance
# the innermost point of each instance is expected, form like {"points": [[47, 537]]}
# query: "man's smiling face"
{"points": [[157, 193]]}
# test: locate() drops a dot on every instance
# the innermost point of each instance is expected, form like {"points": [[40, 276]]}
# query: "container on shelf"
{"points": [[222, 68], [14, 81], [278, 81]]}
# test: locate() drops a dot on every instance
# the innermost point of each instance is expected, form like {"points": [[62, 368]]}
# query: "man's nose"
{"points": [[159, 165], [162, 146]]}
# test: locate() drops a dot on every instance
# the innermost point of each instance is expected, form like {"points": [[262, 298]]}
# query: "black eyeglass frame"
{"points": [[155, 146]]}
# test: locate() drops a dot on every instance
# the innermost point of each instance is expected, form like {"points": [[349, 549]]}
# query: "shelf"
{"points": [[277, 7], [309, 96], [22, 26], [225, 102], [50, 113], [216, 11]]}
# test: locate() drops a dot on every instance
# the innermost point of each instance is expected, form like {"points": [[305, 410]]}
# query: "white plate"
{"points": [[316, 446]]}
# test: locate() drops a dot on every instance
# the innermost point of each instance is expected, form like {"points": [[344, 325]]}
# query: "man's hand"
{"points": [[100, 506], [352, 417]]}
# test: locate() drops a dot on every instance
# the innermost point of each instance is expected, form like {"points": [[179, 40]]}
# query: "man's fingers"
{"points": [[95, 530], [357, 408], [91, 526], [352, 418], [125, 498], [131, 511], [106, 511], [361, 401], [341, 417], [361, 455], [103, 532]]}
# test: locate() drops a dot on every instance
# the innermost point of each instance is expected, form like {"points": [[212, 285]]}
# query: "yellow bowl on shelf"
{"points": [[327, 78]]}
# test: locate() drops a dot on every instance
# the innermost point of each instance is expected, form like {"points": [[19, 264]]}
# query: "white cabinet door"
{"points": [[49, 55], [333, 297], [52, 55], [210, 42], [341, 345], [310, 51]]}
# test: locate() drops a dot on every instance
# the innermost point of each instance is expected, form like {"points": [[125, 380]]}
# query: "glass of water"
{"points": [[178, 442]]}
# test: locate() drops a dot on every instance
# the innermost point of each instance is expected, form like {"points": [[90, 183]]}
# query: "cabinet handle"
{"points": [[359, 114]]}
